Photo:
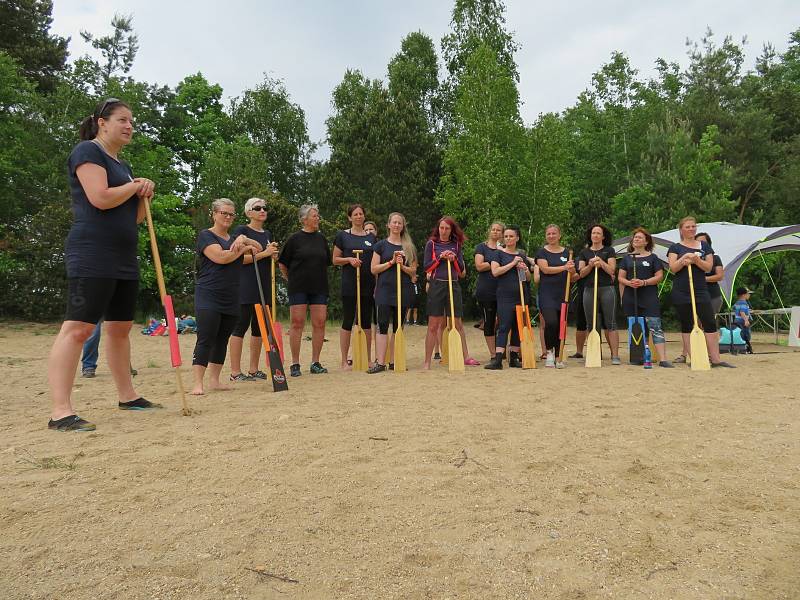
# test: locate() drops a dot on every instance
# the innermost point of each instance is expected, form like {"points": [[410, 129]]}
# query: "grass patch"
{"points": [[152, 364], [51, 462]]}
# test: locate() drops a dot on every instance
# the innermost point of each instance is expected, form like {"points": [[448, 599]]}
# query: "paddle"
{"points": [[524, 323], [399, 335], [455, 354], [360, 353], [562, 330], [277, 374], [174, 346], [593, 356], [276, 325], [636, 341], [697, 340]]}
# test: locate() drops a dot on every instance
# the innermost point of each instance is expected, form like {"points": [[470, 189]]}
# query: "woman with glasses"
{"points": [[249, 296], [216, 293], [304, 263], [108, 203]]}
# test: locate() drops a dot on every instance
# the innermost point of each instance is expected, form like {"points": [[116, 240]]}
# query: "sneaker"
{"points": [[576, 355], [258, 375], [437, 356], [550, 360], [615, 360], [722, 364], [514, 360], [561, 364], [496, 364], [88, 373], [138, 404], [680, 360], [134, 372], [376, 368], [241, 377], [71, 423], [317, 369], [294, 370], [391, 366], [666, 364]]}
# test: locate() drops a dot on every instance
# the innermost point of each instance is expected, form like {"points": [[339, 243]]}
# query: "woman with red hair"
{"points": [[444, 246]]}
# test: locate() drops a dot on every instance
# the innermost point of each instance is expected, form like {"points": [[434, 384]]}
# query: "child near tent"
{"points": [[742, 314]]}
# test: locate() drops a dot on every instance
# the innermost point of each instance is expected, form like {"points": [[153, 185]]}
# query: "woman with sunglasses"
{"points": [[256, 211], [101, 251], [216, 293]]}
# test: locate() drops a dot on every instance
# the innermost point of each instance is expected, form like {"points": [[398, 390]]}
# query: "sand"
{"points": [[573, 484]]}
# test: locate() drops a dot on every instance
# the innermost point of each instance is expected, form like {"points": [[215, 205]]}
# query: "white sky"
{"points": [[310, 44]]}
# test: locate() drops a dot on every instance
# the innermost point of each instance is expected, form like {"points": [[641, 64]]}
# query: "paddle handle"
{"points": [[691, 293], [450, 290], [274, 294], [162, 289], [594, 302], [358, 288], [399, 298], [569, 280]]}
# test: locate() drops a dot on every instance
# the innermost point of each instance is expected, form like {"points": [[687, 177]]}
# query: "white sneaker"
{"points": [[560, 365], [551, 359]]}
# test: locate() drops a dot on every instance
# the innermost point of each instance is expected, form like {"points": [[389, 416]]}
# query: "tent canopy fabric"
{"points": [[733, 243]]}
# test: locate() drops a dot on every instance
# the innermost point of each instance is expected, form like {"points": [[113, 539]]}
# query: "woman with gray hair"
{"points": [[216, 293], [304, 262]]}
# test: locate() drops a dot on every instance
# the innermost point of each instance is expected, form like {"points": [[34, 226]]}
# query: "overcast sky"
{"points": [[309, 44]]}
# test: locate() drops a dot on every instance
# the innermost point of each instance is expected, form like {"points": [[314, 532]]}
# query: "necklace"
{"points": [[102, 146]]}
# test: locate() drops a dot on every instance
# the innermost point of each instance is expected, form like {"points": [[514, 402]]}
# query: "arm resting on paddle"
{"points": [[340, 261], [94, 181], [548, 270], [215, 253]]}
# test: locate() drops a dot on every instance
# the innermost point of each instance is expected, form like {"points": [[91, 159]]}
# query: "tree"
{"points": [[118, 49]]}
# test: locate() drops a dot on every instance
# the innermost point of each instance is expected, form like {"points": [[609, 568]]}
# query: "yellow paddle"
{"points": [[399, 335], [526, 335], [454, 353], [360, 354], [697, 339], [593, 356]]}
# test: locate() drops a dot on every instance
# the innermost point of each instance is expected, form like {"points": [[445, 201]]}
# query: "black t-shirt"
{"points": [[386, 283], [307, 258], [508, 282], [217, 286], [347, 242], [680, 283], [647, 296], [552, 286], [248, 284], [603, 278], [101, 243], [713, 287], [486, 285]]}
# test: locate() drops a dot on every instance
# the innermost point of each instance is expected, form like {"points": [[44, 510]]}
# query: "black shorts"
{"points": [[439, 299], [705, 317], [90, 299], [247, 318]]}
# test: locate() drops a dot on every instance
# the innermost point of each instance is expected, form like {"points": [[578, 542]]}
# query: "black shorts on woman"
{"points": [[249, 294], [681, 293]]}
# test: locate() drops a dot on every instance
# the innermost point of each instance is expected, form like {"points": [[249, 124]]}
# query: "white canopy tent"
{"points": [[733, 243]]}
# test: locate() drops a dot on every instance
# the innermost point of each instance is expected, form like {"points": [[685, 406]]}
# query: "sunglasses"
{"points": [[105, 106], [230, 215], [259, 208]]}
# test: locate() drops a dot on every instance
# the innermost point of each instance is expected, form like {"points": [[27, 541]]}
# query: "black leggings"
{"points": [[705, 317], [386, 312], [349, 312], [213, 331], [552, 325], [247, 319], [489, 311], [507, 311]]}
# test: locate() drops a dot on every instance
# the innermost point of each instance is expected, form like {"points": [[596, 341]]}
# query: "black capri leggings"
{"points": [[489, 311], [349, 312], [507, 311], [552, 324], [213, 331], [705, 316], [247, 319], [385, 313]]}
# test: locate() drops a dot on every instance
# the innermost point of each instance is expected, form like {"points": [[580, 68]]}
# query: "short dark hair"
{"points": [[352, 208], [703, 233], [88, 129], [648, 246], [607, 239]]}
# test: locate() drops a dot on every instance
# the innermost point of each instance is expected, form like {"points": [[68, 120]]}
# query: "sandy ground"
{"points": [[572, 484]]}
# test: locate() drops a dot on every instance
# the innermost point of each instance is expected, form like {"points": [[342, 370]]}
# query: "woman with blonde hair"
{"points": [[486, 284]]}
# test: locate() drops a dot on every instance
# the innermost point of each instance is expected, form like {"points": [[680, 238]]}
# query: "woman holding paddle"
{"points": [[599, 256], [444, 246], [698, 256], [554, 263], [509, 265], [256, 211], [486, 285], [216, 293], [355, 239], [304, 262], [641, 270], [396, 249], [102, 269]]}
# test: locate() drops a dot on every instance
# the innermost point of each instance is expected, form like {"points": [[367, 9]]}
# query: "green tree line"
{"points": [[441, 133]]}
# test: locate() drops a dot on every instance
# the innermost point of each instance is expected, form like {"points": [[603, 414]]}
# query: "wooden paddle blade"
{"points": [[653, 349], [400, 351], [444, 343], [593, 357], [698, 350], [527, 349], [636, 340], [276, 327], [455, 354], [360, 360]]}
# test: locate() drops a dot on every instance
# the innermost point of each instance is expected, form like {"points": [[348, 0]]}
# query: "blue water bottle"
{"points": [[648, 357]]}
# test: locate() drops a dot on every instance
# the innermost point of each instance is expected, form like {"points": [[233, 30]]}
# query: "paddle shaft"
{"points": [[691, 290], [358, 288], [399, 297], [566, 308], [594, 302]]}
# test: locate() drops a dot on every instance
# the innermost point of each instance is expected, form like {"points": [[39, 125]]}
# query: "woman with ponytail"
{"points": [[108, 203]]}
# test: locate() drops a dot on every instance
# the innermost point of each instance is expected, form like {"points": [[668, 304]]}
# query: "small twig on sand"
{"points": [[379, 439], [272, 575], [527, 511], [463, 458], [672, 567]]}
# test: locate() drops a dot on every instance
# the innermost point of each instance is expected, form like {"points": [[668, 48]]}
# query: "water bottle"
{"points": [[648, 357]]}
